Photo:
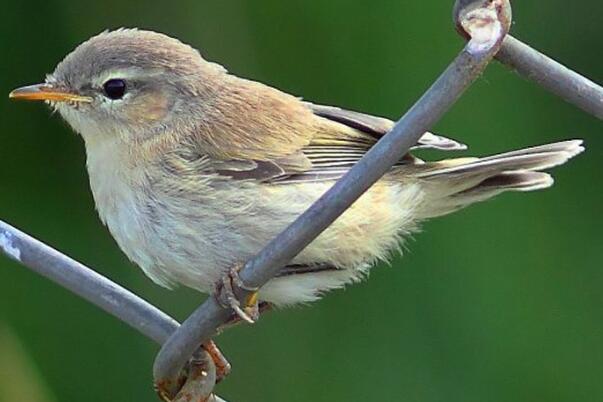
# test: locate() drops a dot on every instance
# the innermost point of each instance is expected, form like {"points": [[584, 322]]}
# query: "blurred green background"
{"points": [[500, 302]]}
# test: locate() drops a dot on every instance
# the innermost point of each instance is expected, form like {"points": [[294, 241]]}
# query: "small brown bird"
{"points": [[194, 170]]}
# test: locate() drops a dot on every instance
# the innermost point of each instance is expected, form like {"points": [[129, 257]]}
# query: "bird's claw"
{"points": [[226, 294], [207, 367]]}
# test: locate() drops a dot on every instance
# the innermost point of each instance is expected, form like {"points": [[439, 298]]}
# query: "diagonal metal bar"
{"points": [[88, 284], [553, 76], [487, 25], [543, 70]]}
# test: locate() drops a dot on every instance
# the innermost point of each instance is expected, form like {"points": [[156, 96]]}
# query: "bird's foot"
{"points": [[226, 291], [235, 319], [207, 367], [222, 365]]}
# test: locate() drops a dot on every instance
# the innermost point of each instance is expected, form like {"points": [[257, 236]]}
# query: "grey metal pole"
{"points": [[553, 76], [100, 291], [86, 283]]}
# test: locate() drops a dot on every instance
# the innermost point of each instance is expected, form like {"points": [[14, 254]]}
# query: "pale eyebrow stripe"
{"points": [[125, 73]]}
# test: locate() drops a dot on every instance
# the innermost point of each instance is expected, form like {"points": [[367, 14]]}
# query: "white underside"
{"points": [[193, 240]]}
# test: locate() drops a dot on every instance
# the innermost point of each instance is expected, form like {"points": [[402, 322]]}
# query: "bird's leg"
{"points": [[214, 365], [226, 291], [222, 365], [201, 377], [197, 370], [207, 367]]}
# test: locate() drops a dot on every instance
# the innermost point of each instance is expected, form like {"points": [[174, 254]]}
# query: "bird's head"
{"points": [[127, 83]]}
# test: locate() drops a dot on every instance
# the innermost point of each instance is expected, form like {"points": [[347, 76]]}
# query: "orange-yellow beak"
{"points": [[42, 92]]}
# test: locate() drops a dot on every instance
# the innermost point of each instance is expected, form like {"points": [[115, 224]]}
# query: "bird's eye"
{"points": [[115, 89]]}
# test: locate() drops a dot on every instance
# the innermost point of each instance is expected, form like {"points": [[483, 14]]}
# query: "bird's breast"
{"points": [[173, 227], [118, 189]]}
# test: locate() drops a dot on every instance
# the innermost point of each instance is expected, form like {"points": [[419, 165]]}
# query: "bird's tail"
{"points": [[453, 184]]}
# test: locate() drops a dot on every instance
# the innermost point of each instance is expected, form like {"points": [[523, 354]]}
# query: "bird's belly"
{"points": [[192, 240]]}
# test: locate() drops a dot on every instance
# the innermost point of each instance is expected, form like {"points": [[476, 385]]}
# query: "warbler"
{"points": [[194, 170]]}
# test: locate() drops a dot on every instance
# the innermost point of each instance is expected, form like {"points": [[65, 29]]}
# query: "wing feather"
{"points": [[379, 126], [256, 132]]}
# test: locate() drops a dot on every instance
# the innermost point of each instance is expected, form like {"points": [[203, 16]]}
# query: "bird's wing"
{"points": [[379, 126], [333, 155], [255, 132]]}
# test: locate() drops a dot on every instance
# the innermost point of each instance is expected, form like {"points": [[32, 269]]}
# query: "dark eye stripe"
{"points": [[115, 88]]}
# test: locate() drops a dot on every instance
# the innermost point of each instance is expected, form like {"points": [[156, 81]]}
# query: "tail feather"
{"points": [[533, 159], [454, 184], [573, 147], [519, 181]]}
